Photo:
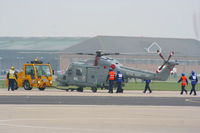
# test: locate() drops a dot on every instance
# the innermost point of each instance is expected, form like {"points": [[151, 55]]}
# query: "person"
{"points": [[119, 78], [11, 76], [184, 82], [111, 78], [147, 87], [193, 78]]}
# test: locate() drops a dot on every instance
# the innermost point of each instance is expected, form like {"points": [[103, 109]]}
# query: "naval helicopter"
{"points": [[93, 72]]}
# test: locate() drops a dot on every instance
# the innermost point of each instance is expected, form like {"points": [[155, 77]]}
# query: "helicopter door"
{"points": [[92, 76], [80, 74]]}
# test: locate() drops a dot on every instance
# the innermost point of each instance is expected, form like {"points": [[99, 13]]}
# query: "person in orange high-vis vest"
{"points": [[111, 78], [184, 82]]}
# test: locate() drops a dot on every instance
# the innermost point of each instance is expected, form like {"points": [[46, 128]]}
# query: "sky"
{"points": [[148, 18]]}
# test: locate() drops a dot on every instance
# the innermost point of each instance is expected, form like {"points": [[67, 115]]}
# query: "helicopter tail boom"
{"points": [[162, 75]]}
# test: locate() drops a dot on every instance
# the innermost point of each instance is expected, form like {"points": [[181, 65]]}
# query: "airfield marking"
{"points": [[39, 127], [5, 122], [192, 101]]}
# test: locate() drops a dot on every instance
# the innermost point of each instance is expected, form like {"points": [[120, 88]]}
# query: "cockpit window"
{"points": [[79, 72], [69, 71]]}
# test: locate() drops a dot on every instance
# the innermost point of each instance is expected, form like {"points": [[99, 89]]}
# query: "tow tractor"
{"points": [[35, 74]]}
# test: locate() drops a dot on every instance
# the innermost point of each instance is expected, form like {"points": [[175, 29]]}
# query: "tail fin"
{"points": [[165, 72]]}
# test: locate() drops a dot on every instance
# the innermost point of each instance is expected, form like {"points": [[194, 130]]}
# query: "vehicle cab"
{"points": [[35, 74]]}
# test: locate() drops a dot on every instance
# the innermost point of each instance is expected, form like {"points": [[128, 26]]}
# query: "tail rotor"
{"points": [[165, 61]]}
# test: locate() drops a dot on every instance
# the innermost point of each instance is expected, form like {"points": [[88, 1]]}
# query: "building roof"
{"points": [[137, 45], [39, 43]]}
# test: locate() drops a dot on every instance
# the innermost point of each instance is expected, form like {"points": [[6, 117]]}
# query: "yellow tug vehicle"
{"points": [[35, 74]]}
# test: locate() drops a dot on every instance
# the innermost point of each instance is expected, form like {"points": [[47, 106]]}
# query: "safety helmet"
{"points": [[193, 72], [183, 74], [110, 69], [12, 67]]}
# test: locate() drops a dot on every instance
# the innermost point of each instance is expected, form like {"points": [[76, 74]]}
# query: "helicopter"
{"points": [[93, 72]]}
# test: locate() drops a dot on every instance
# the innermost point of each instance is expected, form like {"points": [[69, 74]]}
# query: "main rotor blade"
{"points": [[111, 54], [86, 53]]}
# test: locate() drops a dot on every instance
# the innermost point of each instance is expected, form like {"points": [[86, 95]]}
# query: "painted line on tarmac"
{"points": [[5, 123], [41, 127], [192, 101]]}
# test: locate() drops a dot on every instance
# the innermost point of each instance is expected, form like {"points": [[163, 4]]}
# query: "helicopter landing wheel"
{"points": [[94, 89], [80, 89]]}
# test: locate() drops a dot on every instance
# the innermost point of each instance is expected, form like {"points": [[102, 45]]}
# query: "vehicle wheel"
{"points": [[94, 89], [42, 88], [27, 85], [15, 85], [80, 89]]}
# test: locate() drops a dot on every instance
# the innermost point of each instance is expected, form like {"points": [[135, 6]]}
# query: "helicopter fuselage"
{"points": [[86, 74]]}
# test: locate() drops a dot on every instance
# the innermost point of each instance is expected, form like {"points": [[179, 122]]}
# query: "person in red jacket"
{"points": [[111, 78], [184, 82]]}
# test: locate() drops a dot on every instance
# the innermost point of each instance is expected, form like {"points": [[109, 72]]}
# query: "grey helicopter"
{"points": [[93, 72]]}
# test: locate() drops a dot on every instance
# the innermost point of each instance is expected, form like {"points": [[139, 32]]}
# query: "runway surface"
{"points": [[54, 110], [102, 100]]}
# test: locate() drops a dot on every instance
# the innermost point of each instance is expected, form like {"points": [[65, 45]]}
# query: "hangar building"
{"points": [[15, 51], [140, 52], [137, 52]]}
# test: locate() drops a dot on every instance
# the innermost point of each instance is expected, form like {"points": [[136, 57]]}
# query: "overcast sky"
{"points": [[152, 18]]}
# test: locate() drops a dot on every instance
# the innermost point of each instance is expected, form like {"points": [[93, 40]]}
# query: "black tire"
{"points": [[42, 88], [80, 89], [94, 89], [15, 85], [27, 85]]}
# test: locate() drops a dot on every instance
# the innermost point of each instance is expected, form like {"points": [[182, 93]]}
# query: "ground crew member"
{"points": [[111, 78], [147, 87], [184, 81], [11, 76], [193, 78], [119, 78]]}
